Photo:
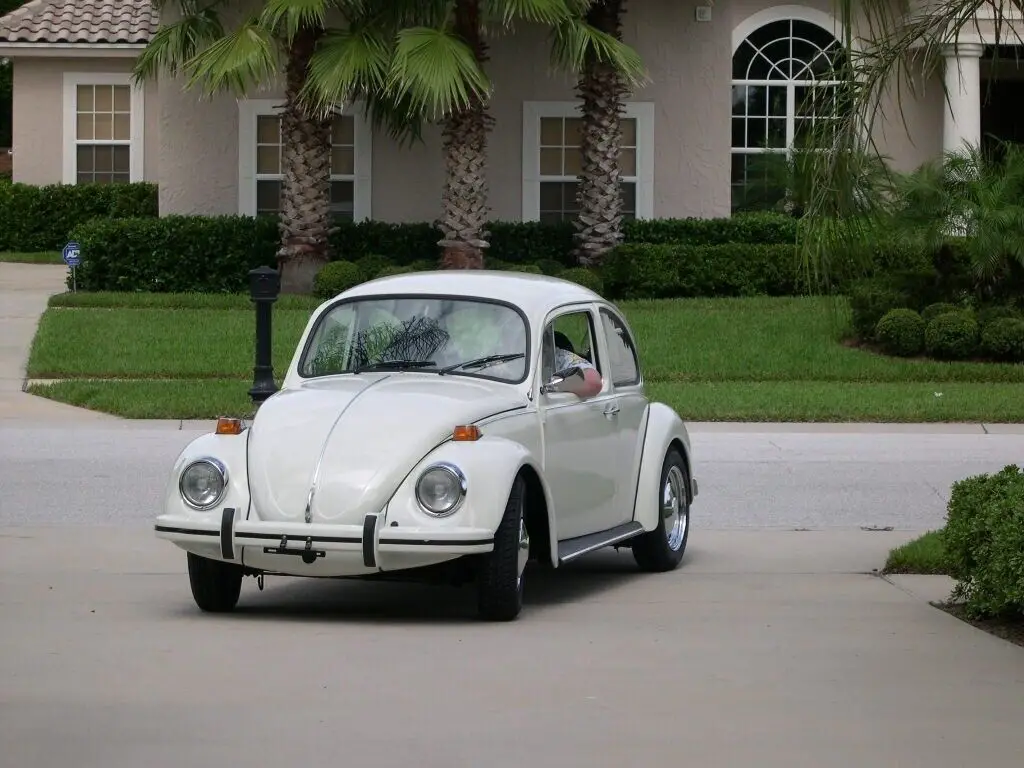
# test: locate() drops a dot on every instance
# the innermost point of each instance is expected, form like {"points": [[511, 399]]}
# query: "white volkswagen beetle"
{"points": [[434, 420]]}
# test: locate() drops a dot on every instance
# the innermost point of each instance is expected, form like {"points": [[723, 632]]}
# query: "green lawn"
{"points": [[925, 554], [756, 359], [42, 257]]}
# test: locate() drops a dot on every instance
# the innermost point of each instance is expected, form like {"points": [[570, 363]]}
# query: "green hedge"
{"points": [[669, 271], [42, 218], [213, 254], [984, 539]]}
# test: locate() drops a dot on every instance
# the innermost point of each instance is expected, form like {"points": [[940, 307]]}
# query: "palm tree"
{"points": [[282, 35], [434, 69], [607, 70]]}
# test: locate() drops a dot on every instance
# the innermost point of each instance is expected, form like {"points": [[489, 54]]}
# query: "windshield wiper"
{"points": [[481, 362], [399, 365]]}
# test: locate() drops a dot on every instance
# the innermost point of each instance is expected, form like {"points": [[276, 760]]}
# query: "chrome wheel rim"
{"points": [[524, 549], [674, 515]]}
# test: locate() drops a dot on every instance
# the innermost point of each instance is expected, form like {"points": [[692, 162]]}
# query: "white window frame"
{"points": [[249, 110], [136, 144], [533, 111]]}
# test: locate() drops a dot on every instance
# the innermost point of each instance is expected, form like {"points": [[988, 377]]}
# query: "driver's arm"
{"points": [[591, 382]]}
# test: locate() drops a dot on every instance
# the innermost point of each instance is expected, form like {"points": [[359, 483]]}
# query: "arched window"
{"points": [[784, 78]]}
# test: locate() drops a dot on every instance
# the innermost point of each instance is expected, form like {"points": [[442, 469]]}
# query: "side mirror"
{"points": [[561, 380]]}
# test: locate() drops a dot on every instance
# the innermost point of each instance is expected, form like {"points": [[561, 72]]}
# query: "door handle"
{"points": [[612, 409]]}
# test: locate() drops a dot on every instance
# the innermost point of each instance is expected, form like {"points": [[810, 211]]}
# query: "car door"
{"points": [[623, 372], [579, 439]]}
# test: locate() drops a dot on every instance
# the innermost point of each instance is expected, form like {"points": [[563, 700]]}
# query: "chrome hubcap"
{"points": [[673, 508], [524, 549]]}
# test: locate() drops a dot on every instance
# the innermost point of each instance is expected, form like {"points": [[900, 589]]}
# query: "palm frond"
{"points": [[547, 12], [435, 72], [575, 41], [346, 62], [174, 45], [291, 16], [249, 55]]}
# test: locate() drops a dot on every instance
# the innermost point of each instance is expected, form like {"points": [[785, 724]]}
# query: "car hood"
{"points": [[344, 444]]}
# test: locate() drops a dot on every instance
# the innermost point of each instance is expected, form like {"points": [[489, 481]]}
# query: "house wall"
{"points": [[38, 116]]}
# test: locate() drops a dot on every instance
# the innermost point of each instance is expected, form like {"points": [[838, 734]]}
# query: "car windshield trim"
{"points": [[370, 297]]}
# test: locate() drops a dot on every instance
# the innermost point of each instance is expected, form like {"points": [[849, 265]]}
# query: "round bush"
{"points": [[585, 277], [870, 299], [423, 265], [336, 277], [372, 264], [551, 267], [900, 332], [1003, 339], [932, 311], [952, 336], [394, 269], [997, 312]]}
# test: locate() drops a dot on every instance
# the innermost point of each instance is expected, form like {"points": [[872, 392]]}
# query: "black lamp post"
{"points": [[264, 286]]}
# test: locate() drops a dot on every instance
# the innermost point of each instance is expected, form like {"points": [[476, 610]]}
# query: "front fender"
{"points": [[664, 426], [490, 464], [230, 450]]}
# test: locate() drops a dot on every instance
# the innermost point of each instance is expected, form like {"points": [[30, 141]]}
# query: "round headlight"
{"points": [[440, 489], [202, 483]]}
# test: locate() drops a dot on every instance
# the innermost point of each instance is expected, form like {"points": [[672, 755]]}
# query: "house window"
{"points": [[260, 171], [552, 160], [103, 123], [784, 82]]}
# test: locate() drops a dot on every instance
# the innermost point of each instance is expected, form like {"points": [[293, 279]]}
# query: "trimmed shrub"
{"points": [[585, 277], [394, 269], [371, 265], [1003, 339], [533, 269], [932, 311], [763, 228], [336, 277], [989, 315], [179, 254], [670, 271], [550, 267], [42, 218], [870, 300], [952, 336], [984, 538], [900, 332]]}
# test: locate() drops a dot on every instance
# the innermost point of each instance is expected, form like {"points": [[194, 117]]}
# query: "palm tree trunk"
{"points": [[306, 177], [602, 89], [464, 200]]}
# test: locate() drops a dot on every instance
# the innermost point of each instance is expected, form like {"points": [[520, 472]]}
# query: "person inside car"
{"points": [[587, 382]]}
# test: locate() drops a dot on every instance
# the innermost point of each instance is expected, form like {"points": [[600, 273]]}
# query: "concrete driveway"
{"points": [[766, 649]]}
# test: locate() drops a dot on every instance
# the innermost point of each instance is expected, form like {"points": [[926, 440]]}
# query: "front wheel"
{"points": [[215, 585], [500, 596], [662, 549]]}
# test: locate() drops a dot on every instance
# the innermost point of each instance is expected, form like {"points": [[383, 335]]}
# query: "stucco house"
{"points": [[726, 79]]}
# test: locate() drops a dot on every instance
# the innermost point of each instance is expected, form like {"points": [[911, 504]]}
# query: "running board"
{"points": [[570, 549]]}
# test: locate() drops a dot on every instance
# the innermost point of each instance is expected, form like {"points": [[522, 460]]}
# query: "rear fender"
{"points": [[664, 428], [490, 464]]}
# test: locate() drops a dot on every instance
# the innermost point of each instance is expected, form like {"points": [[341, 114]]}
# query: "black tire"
{"points": [[215, 585], [500, 595], [653, 551]]}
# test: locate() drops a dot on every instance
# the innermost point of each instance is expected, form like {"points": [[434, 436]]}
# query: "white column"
{"points": [[962, 121]]}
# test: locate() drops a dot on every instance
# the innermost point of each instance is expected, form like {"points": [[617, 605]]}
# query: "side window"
{"points": [[567, 336], [623, 364]]}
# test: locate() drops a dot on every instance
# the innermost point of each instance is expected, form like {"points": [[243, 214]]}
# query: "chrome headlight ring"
{"points": [[221, 472], [453, 492]]}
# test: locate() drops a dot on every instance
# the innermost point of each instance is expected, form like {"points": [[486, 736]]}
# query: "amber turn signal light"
{"points": [[226, 426], [466, 432]]}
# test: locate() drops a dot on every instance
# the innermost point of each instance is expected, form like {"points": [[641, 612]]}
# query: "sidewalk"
{"points": [[24, 290]]}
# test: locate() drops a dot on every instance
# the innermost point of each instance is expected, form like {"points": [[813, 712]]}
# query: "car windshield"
{"points": [[419, 333]]}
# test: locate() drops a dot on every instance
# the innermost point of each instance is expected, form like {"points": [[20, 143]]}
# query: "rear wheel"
{"points": [[500, 596], [662, 549], [215, 585]]}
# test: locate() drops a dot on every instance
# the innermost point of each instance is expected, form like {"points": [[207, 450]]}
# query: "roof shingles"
{"points": [[103, 22]]}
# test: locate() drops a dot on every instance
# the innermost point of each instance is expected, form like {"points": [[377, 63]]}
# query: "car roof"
{"points": [[530, 292]]}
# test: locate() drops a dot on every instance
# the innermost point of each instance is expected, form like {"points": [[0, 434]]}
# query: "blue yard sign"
{"points": [[72, 254], [73, 257]]}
